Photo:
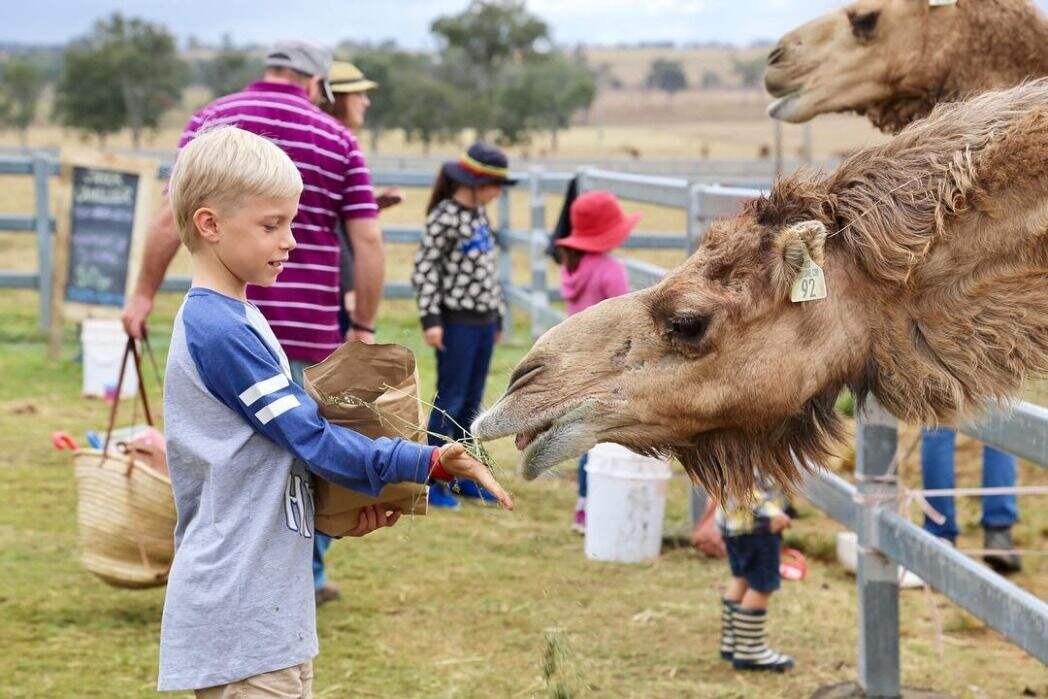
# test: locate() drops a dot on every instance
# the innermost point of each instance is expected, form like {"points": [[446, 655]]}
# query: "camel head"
{"points": [[935, 262], [893, 60], [703, 366]]}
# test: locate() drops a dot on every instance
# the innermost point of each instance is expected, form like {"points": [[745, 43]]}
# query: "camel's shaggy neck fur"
{"points": [[994, 44], [943, 233], [949, 221]]}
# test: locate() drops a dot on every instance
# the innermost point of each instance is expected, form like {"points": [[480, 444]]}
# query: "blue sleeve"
{"points": [[240, 370]]}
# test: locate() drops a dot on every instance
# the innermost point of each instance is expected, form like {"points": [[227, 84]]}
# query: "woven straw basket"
{"points": [[126, 519], [125, 506]]}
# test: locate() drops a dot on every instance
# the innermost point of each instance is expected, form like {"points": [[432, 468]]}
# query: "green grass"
{"points": [[478, 603]]}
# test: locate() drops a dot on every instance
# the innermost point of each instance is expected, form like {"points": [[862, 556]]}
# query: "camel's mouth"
{"points": [[786, 108], [526, 438], [545, 440]]}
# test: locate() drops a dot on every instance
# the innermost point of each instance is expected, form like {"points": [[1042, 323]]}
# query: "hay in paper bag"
{"points": [[372, 389]]}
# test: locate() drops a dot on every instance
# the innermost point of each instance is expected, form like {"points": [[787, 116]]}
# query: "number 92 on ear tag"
{"points": [[810, 284]]}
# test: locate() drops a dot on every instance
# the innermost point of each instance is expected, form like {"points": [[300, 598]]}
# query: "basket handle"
{"points": [[131, 349]]}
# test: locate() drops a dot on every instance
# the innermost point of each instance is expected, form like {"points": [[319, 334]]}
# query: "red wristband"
{"points": [[436, 469]]}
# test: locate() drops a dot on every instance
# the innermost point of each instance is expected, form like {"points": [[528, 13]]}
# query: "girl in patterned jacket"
{"points": [[459, 298]]}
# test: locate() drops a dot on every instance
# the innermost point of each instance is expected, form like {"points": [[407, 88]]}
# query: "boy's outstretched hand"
{"points": [[457, 462]]}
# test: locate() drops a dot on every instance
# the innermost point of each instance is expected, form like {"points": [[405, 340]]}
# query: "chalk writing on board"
{"points": [[102, 221]]}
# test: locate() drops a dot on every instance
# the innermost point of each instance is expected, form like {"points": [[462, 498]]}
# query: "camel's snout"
{"points": [[776, 55], [524, 374]]}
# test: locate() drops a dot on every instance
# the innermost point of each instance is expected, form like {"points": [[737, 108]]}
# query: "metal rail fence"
{"points": [[886, 539]]}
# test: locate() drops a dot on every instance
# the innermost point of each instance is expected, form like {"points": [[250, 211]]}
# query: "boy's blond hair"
{"points": [[222, 165]]}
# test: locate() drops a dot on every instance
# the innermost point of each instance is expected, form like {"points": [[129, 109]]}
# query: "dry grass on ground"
{"points": [[470, 603], [455, 604]]}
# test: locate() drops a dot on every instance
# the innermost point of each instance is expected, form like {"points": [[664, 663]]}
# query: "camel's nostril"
{"points": [[522, 375], [776, 55]]}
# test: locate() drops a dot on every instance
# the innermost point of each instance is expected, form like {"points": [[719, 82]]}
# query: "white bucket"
{"points": [[848, 557], [625, 501], [103, 341]]}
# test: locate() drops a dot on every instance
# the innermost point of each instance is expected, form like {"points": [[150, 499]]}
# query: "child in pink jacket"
{"points": [[590, 274]]}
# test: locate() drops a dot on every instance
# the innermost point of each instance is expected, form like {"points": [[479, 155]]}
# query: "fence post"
{"points": [[878, 582], [693, 227], [537, 252], [505, 260], [41, 187]]}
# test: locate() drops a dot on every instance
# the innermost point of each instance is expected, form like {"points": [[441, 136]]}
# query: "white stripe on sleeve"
{"points": [[263, 388], [277, 408]]}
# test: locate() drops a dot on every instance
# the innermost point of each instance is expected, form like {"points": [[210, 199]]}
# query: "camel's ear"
{"points": [[814, 235], [791, 245]]}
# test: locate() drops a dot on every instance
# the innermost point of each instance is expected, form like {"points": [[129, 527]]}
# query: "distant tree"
{"points": [[481, 42], [543, 93], [125, 73], [493, 32], [666, 75], [86, 97], [21, 83], [429, 110], [710, 80], [5, 116], [750, 71], [230, 70], [606, 77], [392, 69]]}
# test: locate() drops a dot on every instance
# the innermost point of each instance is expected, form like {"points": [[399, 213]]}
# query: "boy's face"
{"points": [[252, 237]]}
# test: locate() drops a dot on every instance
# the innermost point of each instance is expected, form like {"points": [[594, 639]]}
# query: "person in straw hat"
{"points": [[349, 105]]}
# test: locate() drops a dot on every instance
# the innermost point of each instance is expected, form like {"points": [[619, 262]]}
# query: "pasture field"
{"points": [[727, 122], [464, 604]]}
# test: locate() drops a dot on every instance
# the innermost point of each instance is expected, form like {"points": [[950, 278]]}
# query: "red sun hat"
{"points": [[598, 223]]}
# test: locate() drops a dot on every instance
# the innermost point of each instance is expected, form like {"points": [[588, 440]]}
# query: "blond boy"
{"points": [[244, 441]]}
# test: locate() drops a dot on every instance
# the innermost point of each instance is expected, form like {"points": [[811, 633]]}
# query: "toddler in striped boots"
{"points": [[753, 536]]}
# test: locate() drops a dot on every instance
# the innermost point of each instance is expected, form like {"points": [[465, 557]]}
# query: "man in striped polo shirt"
{"points": [[302, 307]]}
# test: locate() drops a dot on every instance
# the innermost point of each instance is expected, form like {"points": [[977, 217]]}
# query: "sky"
{"points": [[407, 21]]}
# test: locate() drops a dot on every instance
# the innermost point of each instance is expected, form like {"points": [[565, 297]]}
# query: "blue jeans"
{"points": [[321, 542], [462, 370], [937, 470], [582, 475]]}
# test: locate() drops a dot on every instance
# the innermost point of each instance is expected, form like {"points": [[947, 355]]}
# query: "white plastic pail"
{"points": [[103, 341], [625, 501], [848, 556]]}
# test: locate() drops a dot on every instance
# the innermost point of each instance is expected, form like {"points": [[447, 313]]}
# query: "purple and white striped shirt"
{"points": [[302, 306]]}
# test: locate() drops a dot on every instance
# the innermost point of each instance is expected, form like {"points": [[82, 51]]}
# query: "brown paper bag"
{"points": [[384, 379]]}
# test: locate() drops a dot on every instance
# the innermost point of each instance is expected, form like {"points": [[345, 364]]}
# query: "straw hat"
{"points": [[346, 78]]}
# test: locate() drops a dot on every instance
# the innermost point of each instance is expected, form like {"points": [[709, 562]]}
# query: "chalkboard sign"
{"points": [[102, 222], [104, 205]]}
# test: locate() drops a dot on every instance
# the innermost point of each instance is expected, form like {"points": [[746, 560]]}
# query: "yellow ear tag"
{"points": [[810, 284]]}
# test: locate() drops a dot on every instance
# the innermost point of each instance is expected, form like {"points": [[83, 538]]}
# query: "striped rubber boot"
{"points": [[727, 643], [751, 646]]}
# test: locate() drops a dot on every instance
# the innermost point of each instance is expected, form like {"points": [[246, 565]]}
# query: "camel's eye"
{"points": [[690, 327], [863, 23]]}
